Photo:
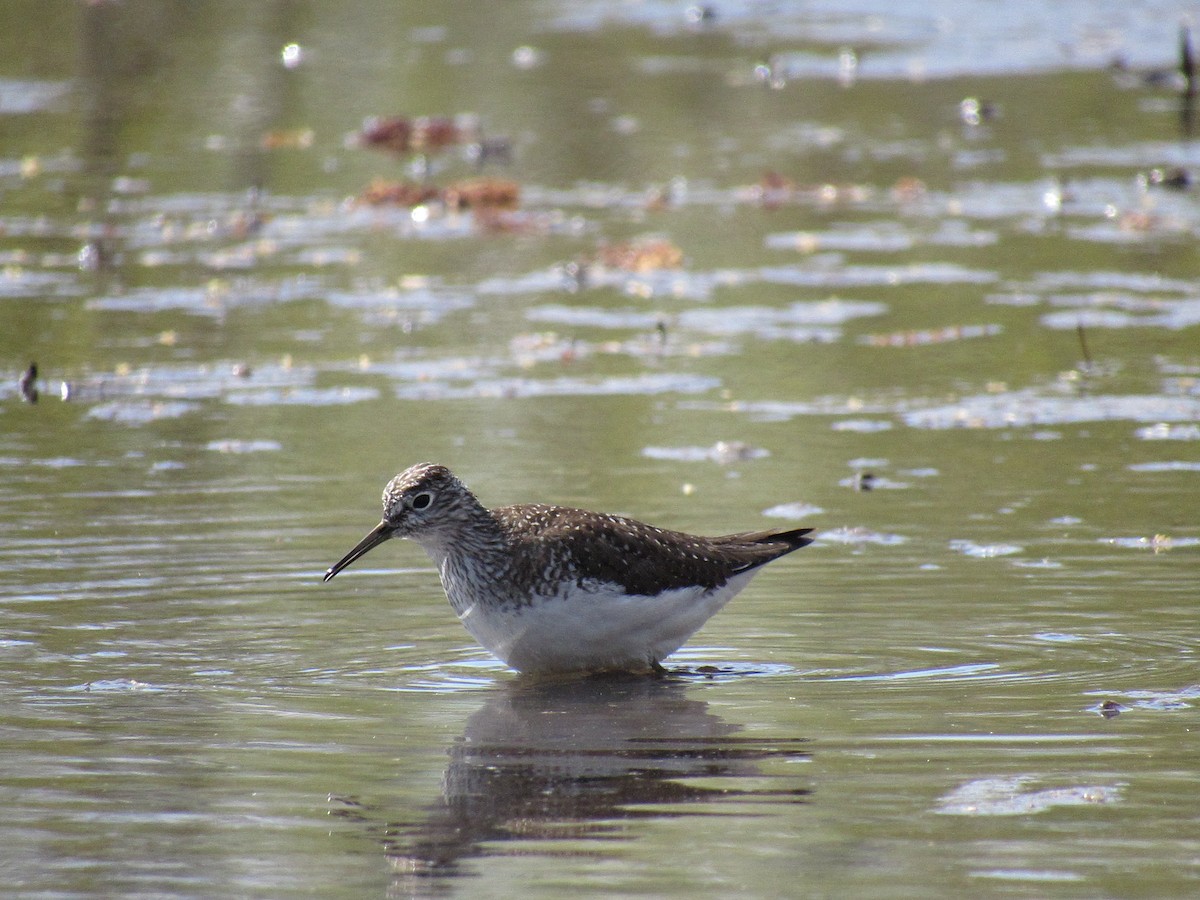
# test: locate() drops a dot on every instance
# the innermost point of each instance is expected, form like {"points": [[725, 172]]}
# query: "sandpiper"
{"points": [[549, 589]]}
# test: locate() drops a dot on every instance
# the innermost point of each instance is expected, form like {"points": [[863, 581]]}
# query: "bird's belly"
{"points": [[594, 628]]}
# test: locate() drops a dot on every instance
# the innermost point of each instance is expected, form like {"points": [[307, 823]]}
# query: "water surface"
{"points": [[921, 277]]}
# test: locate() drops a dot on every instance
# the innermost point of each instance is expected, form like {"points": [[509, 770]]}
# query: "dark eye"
{"points": [[422, 501]]}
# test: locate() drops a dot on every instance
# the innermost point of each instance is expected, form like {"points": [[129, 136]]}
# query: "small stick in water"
{"points": [[1187, 61], [1087, 357], [28, 384]]}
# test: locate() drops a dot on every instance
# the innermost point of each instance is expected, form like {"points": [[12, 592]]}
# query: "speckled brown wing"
{"points": [[560, 542]]}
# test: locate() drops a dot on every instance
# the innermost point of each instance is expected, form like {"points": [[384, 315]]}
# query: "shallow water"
{"points": [[767, 266]]}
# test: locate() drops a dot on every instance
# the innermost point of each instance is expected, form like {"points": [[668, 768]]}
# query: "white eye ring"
{"points": [[422, 500]]}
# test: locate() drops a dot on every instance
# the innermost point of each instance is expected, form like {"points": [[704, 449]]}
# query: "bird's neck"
{"points": [[476, 540], [473, 562]]}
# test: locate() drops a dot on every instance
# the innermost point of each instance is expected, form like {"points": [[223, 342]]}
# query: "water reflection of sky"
{"points": [[917, 39]]}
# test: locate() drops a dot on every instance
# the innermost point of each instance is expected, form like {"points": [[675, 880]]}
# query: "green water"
{"points": [[982, 679]]}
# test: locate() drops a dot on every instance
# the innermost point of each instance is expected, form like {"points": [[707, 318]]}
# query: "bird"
{"points": [[554, 590]]}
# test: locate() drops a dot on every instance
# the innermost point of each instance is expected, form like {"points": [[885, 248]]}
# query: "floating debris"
{"points": [[646, 255], [1158, 543], [1187, 62], [774, 189], [699, 14], [290, 139], [1109, 709], [869, 481], [381, 192], [526, 57], [1176, 178], [489, 150], [474, 193], [27, 384], [973, 111], [863, 481], [482, 193], [926, 336], [424, 134], [909, 189], [1160, 701], [292, 55]]}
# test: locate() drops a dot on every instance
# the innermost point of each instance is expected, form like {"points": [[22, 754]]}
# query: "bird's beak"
{"points": [[374, 538]]}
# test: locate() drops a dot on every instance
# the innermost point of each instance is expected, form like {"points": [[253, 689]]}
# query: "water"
{"points": [[766, 266]]}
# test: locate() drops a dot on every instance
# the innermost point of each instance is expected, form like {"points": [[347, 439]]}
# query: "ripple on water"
{"points": [[429, 301], [140, 412], [857, 536], [983, 551], [801, 321], [469, 671], [21, 96], [723, 452], [19, 282], [113, 685], [1031, 407], [822, 271], [1156, 543], [862, 426], [1170, 465], [1156, 701], [648, 383], [1110, 281], [1008, 797], [884, 236], [875, 276], [302, 396], [708, 664], [235, 445], [964, 671], [798, 511], [782, 410], [1170, 314], [877, 237], [593, 317], [195, 300], [1164, 431]]}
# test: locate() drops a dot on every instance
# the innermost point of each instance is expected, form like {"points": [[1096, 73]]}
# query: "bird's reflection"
{"points": [[562, 761]]}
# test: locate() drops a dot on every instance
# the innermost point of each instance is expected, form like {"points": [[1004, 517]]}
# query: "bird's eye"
{"points": [[422, 501]]}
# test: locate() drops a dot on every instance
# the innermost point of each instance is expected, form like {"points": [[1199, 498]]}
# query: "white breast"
{"points": [[596, 627]]}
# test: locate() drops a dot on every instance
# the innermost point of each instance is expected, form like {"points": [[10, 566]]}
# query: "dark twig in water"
{"points": [[1083, 344], [1187, 62], [1187, 68], [28, 383]]}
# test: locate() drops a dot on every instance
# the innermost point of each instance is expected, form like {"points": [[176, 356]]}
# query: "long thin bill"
{"points": [[374, 538]]}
